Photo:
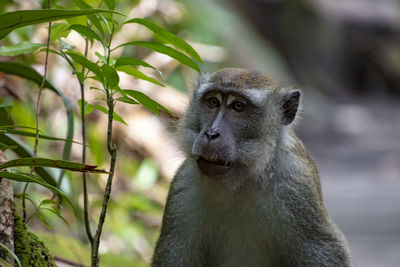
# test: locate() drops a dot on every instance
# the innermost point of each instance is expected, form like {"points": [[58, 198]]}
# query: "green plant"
{"points": [[100, 26]]}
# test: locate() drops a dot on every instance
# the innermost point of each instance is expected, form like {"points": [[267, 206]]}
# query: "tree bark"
{"points": [[6, 213]]}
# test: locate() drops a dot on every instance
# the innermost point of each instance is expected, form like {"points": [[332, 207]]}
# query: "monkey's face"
{"points": [[223, 117], [229, 129]]}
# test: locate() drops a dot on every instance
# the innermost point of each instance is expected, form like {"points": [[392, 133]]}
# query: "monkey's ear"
{"points": [[289, 105]]}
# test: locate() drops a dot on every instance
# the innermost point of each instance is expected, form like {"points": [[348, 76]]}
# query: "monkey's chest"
{"points": [[238, 240]]}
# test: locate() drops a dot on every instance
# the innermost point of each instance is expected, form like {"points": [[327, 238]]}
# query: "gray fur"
{"points": [[268, 212]]}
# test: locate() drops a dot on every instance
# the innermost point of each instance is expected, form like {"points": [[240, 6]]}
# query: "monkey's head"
{"points": [[235, 121]]}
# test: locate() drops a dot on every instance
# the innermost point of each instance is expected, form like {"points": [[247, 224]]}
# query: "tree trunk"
{"points": [[6, 214]]}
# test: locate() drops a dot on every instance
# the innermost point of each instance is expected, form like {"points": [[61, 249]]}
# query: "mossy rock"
{"points": [[29, 249]]}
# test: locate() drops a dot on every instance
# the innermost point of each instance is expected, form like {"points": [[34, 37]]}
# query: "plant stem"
{"points": [[37, 118], [84, 180], [113, 153]]}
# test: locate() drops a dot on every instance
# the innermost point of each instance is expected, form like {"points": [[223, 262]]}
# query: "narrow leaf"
{"points": [[22, 48], [88, 107], [93, 18], [110, 4], [167, 37], [101, 57], [57, 213], [28, 197], [6, 264], [110, 75], [48, 202], [127, 100], [24, 152], [105, 23], [138, 74], [26, 72], [146, 101], [44, 220], [20, 177], [86, 32], [12, 20], [44, 162], [6, 127], [30, 134], [163, 49], [65, 46], [123, 61], [58, 30], [79, 58], [5, 118], [4, 147], [116, 117]]}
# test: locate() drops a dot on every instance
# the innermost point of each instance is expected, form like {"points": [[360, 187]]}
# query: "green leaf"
{"points": [[123, 61], [23, 151], [44, 220], [88, 107], [101, 57], [28, 197], [163, 49], [93, 18], [4, 147], [105, 23], [5, 118], [30, 134], [44, 162], [167, 37], [86, 32], [22, 48], [82, 4], [24, 71], [27, 72], [6, 264], [146, 101], [53, 207], [81, 59], [58, 30], [138, 74], [65, 46], [20, 177], [13, 20], [48, 202], [127, 100], [110, 75], [5, 127], [57, 213], [116, 117], [110, 4]]}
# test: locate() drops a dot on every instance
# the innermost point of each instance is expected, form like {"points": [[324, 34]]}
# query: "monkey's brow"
{"points": [[256, 96]]}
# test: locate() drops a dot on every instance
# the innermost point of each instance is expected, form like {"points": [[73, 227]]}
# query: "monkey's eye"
{"points": [[212, 102], [238, 106]]}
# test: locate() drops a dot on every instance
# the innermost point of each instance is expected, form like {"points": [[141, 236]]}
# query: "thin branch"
{"points": [[84, 181], [37, 117], [113, 153]]}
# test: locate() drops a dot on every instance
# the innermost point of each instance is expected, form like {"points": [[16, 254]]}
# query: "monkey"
{"points": [[248, 193]]}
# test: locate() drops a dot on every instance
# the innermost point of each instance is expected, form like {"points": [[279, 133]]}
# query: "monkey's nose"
{"points": [[211, 135]]}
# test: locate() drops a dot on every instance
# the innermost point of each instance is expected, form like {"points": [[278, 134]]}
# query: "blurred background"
{"points": [[343, 54]]}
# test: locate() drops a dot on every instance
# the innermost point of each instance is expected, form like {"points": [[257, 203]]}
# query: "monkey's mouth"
{"points": [[209, 160], [213, 166]]}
